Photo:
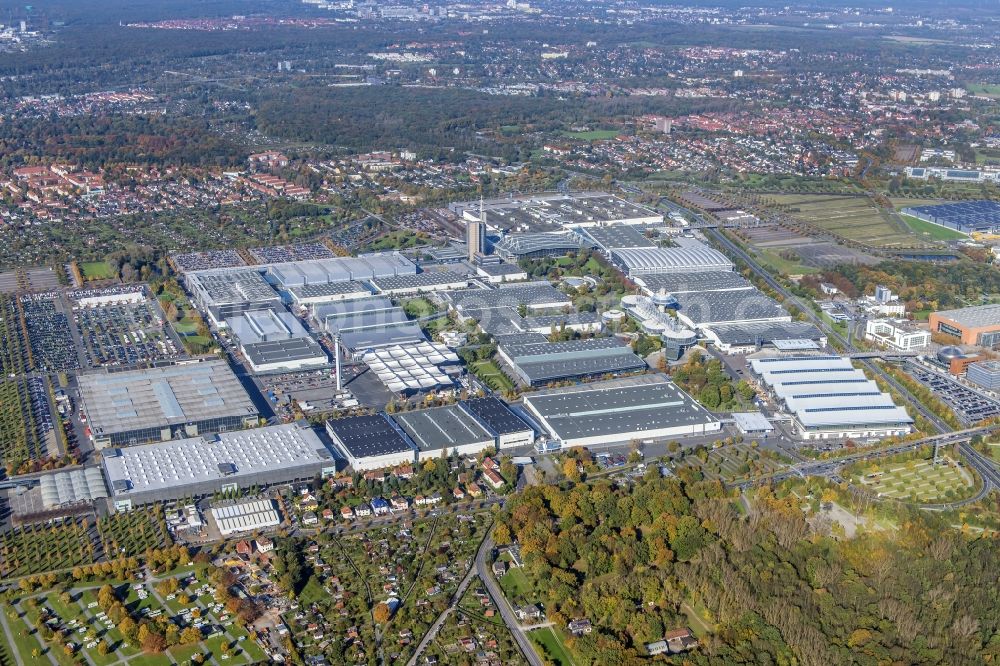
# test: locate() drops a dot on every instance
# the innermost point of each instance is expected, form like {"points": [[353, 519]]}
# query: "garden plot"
{"points": [[735, 462], [850, 217], [921, 481]]}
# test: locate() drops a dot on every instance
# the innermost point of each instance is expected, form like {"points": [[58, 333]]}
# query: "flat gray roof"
{"points": [[974, 317], [618, 236], [765, 332], [160, 396], [679, 283], [224, 458], [367, 435], [639, 404], [328, 289], [276, 351], [728, 306], [234, 287], [441, 428], [420, 280], [507, 297]]}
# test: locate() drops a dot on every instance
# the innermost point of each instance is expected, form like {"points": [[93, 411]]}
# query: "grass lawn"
{"points": [[934, 231], [491, 374], [592, 135], [550, 647], [855, 218], [150, 660], [780, 264], [515, 584], [96, 270], [182, 653], [419, 307], [984, 89]]}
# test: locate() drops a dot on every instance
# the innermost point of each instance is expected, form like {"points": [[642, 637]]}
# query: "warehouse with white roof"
{"points": [[827, 397], [689, 255], [202, 466]]}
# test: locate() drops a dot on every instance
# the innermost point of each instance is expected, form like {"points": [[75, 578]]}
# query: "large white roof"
{"points": [[690, 255]]}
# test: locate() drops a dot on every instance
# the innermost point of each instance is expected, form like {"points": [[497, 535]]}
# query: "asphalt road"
{"points": [[506, 612]]}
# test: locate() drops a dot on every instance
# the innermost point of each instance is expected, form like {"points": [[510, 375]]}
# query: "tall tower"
{"points": [[475, 233]]}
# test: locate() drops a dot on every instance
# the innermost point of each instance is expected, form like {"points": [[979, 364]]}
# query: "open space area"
{"points": [[921, 481]]}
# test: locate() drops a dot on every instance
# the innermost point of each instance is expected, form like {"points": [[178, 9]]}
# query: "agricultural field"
{"points": [[158, 623], [737, 461], [26, 424], [853, 218], [47, 547], [920, 481], [132, 533]]}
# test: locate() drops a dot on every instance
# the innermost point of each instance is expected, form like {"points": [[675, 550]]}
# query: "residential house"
{"points": [[379, 506], [580, 626], [347, 513], [495, 480], [264, 545]]}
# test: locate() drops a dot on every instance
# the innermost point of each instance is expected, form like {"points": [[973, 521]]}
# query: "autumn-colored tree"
{"points": [[382, 613]]}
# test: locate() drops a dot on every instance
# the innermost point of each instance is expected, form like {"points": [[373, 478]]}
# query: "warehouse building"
{"points": [[275, 341], [243, 517], [688, 256], [66, 488], [646, 408], [368, 324], [224, 294], [828, 398], [537, 363], [421, 283], [750, 338], [161, 403], [341, 269], [694, 282], [536, 297], [514, 247], [978, 325], [508, 429], [315, 294], [444, 431], [609, 238], [744, 306], [549, 211], [370, 442], [202, 466]]}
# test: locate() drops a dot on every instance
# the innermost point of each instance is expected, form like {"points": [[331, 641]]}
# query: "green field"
{"points": [[419, 307], [920, 481], [515, 585], [491, 374], [592, 135], [855, 218], [96, 270], [932, 231], [984, 89], [550, 647]]}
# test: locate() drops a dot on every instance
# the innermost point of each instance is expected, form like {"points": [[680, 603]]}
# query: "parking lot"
{"points": [[123, 334], [49, 335], [968, 405]]}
